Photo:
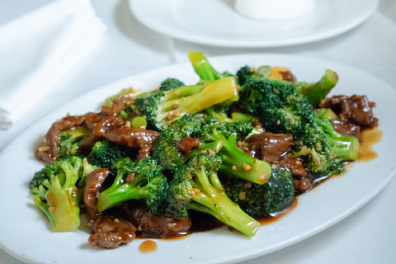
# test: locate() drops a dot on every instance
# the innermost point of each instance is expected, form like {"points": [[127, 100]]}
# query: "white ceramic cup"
{"points": [[274, 9]]}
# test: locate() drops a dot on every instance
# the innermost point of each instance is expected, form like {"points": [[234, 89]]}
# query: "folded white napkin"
{"points": [[39, 49]]}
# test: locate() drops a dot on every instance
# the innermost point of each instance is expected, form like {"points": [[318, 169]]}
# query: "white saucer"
{"points": [[216, 23]]}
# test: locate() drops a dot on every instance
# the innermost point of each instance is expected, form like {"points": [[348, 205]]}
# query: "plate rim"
{"points": [[258, 252], [209, 41]]}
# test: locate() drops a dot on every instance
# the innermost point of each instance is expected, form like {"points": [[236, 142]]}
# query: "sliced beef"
{"points": [[155, 226], [109, 231], [187, 144], [357, 109], [97, 123], [288, 76], [268, 146], [135, 138], [346, 128], [294, 165]]}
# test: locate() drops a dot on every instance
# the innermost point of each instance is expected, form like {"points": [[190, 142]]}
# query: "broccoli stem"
{"points": [[214, 201], [342, 147], [203, 68], [319, 90], [124, 192], [61, 208], [214, 93]]}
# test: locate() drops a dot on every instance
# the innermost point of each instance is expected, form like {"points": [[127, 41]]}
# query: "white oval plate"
{"points": [[25, 234], [216, 23]]}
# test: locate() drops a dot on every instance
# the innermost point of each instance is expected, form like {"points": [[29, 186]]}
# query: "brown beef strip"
{"points": [[98, 123], [357, 109], [135, 138], [294, 165], [268, 146], [110, 232], [187, 144], [288, 76], [155, 226], [346, 128]]}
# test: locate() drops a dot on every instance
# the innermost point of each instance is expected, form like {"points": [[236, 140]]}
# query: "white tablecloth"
{"points": [[367, 236]]}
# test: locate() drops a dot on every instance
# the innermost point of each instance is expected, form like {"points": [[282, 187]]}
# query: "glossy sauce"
{"points": [[278, 216], [370, 137], [147, 246]]}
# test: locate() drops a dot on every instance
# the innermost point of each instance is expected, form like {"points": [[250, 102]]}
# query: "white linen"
{"points": [[39, 49]]}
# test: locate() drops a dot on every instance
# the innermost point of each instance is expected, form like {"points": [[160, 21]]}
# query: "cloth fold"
{"points": [[40, 49]]}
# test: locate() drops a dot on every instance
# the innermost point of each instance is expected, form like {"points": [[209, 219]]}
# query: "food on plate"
{"points": [[229, 150]]}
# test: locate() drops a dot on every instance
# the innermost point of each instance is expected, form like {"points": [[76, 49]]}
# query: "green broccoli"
{"points": [[69, 141], [161, 108], [196, 186], [165, 151], [203, 68], [170, 84], [54, 191], [263, 200], [246, 73], [282, 109], [104, 154], [142, 180], [221, 138], [318, 91]]}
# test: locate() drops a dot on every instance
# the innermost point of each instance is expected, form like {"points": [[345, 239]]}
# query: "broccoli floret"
{"points": [[196, 186], [170, 84], [220, 138], [246, 73], [283, 110], [318, 91], [326, 148], [142, 180], [165, 151], [54, 191], [203, 68], [263, 200], [69, 141], [104, 154], [161, 108]]}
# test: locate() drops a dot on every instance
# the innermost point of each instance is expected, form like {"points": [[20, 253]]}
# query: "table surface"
{"points": [[367, 236]]}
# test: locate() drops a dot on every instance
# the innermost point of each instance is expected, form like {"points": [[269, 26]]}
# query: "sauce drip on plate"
{"points": [[147, 246]]}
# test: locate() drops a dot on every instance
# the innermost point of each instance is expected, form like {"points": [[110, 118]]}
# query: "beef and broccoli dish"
{"points": [[232, 148]]}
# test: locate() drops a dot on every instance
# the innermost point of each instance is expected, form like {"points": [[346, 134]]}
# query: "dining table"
{"points": [[128, 48]]}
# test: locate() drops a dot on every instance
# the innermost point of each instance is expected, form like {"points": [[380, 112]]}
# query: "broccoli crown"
{"points": [[69, 141], [184, 181], [283, 110], [227, 129], [141, 180], [244, 74], [104, 154], [266, 199], [187, 126], [165, 151], [54, 192], [66, 168], [162, 108], [261, 94], [234, 161], [150, 107], [170, 84]]}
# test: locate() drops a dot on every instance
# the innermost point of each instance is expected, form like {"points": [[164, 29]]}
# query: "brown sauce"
{"points": [[278, 216], [175, 238], [370, 137], [147, 246]]}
